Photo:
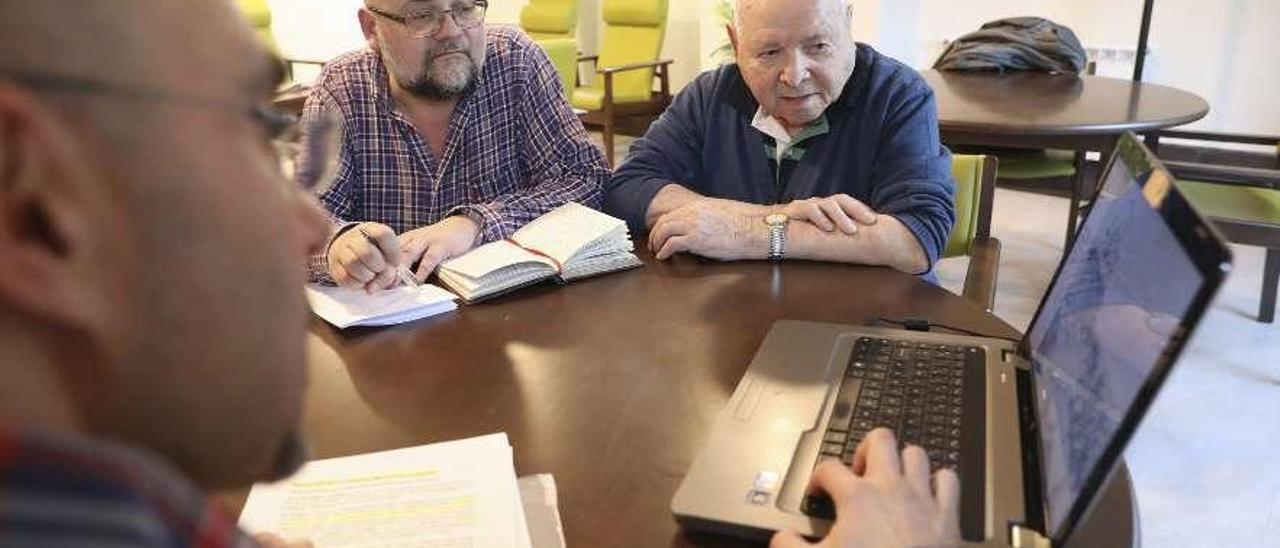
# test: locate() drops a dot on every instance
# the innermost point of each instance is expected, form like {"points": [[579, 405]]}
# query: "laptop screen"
{"points": [[1112, 312]]}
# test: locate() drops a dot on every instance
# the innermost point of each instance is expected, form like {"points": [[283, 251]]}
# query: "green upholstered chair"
{"points": [[975, 177], [259, 15], [1243, 202], [622, 98], [564, 55], [550, 19]]}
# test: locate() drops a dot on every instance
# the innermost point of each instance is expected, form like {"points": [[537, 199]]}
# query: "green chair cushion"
{"points": [[563, 53], [967, 171], [549, 18], [1037, 164], [592, 97], [637, 13], [1245, 203], [633, 33], [256, 11]]}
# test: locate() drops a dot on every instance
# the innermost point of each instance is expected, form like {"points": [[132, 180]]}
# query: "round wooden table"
{"points": [[1062, 111], [1032, 110], [610, 384]]}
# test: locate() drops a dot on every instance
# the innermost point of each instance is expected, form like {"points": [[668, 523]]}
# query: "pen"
{"points": [[402, 271]]}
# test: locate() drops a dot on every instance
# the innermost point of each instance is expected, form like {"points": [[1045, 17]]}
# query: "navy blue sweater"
{"points": [[882, 149]]}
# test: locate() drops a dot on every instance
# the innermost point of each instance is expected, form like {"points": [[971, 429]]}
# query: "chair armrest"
{"points": [[984, 266], [1231, 175], [636, 66], [305, 62]]}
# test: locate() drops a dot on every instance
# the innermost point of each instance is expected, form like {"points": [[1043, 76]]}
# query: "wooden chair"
{"points": [[623, 99], [1243, 202], [975, 177]]}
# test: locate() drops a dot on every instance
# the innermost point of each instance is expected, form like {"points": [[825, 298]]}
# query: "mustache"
{"points": [[444, 49]]}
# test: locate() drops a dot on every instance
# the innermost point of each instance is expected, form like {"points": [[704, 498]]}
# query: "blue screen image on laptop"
{"points": [[1109, 317]]}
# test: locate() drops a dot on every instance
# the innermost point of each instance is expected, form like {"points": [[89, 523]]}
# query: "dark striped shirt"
{"points": [[61, 492]]}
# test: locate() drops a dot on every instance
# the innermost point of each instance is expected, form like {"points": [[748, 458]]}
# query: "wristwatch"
{"points": [[777, 223]]}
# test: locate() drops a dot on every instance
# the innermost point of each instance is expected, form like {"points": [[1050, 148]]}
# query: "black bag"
{"points": [[1016, 43]]}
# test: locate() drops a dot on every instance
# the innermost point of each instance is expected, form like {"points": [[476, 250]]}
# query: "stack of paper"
{"points": [[345, 308], [454, 494]]}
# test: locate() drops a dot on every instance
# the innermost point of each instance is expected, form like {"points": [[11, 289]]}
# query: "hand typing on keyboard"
{"points": [[885, 499]]}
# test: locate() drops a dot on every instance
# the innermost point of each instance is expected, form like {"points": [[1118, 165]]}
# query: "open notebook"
{"points": [[345, 308], [568, 243]]}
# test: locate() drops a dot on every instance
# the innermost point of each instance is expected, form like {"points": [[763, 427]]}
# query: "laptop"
{"points": [[1034, 427]]}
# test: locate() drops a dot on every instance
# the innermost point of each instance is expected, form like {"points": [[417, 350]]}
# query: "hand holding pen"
{"points": [[368, 256]]}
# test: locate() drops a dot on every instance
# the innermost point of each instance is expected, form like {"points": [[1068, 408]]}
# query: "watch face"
{"points": [[776, 219]]}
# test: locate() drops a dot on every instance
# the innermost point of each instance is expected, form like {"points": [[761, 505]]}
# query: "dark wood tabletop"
{"points": [[1037, 106], [610, 384]]}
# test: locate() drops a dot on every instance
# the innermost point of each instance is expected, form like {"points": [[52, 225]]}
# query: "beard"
{"points": [[436, 83]]}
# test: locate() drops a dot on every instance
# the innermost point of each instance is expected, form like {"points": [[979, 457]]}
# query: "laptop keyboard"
{"points": [[923, 392]]}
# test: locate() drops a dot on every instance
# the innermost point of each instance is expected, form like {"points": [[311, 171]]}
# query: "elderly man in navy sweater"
{"points": [[811, 147]]}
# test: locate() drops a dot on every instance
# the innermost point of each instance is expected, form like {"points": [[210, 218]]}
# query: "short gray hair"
{"points": [[737, 9]]}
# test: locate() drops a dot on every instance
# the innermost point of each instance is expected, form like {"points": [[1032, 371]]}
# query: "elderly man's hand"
{"points": [[434, 244], [886, 500], [711, 227], [840, 211]]}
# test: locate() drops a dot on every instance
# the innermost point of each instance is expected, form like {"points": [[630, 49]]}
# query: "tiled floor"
{"points": [[1206, 462]]}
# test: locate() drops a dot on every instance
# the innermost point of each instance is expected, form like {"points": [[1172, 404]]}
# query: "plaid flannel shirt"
{"points": [[60, 492], [514, 149]]}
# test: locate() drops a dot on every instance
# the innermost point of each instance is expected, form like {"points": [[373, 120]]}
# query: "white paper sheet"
{"points": [[345, 308], [445, 495]]}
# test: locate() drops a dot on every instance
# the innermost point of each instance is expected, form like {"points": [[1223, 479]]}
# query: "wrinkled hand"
{"points": [[711, 227], [437, 243], [885, 500], [268, 540], [355, 262], [838, 211]]}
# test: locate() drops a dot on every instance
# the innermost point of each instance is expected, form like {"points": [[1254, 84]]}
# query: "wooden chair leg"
{"points": [[1073, 215], [607, 133], [1270, 278]]}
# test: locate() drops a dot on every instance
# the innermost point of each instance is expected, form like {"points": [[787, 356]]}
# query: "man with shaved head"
{"points": [[141, 208], [151, 317], [456, 134], [810, 146]]}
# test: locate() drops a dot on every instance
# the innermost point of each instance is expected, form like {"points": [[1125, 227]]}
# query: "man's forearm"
{"points": [[888, 242], [674, 196]]}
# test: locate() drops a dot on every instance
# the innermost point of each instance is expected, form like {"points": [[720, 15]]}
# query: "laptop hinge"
{"points": [[1025, 537]]}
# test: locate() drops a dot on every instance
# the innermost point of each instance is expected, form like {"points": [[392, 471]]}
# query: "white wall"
{"points": [[1224, 50]]}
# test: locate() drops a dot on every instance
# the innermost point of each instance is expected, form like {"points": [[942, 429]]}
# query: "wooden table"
{"points": [[611, 384], [1065, 112]]}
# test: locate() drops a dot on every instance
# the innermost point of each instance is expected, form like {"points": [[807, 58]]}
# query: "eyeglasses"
{"points": [[428, 22], [286, 136]]}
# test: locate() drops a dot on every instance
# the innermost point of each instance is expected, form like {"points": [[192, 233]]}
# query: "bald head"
{"points": [[136, 186], [748, 11]]}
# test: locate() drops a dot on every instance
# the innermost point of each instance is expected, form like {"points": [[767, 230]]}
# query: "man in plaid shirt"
{"points": [[456, 134]]}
